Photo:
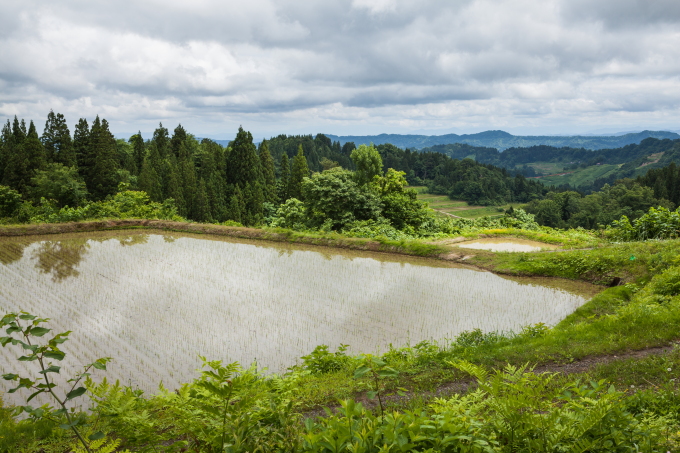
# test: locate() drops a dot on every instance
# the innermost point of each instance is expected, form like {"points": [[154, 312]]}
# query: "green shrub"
{"points": [[321, 360], [667, 283], [658, 223]]}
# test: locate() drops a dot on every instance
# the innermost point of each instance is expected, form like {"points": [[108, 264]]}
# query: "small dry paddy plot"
{"points": [[154, 301]]}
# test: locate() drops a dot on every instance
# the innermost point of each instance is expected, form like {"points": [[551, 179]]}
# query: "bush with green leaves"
{"points": [[292, 215], [10, 202], [126, 204], [658, 223], [321, 360], [335, 196], [59, 183]]}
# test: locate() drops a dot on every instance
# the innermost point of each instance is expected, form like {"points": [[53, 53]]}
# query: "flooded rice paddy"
{"points": [[506, 245], [154, 301]]}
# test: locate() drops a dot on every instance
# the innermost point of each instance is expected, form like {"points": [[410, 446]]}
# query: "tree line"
{"points": [[241, 182], [251, 184]]}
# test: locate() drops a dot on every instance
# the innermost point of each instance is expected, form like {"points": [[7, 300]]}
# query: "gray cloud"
{"points": [[618, 14], [345, 66]]}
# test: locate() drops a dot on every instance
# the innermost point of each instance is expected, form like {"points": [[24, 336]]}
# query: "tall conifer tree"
{"points": [[6, 143], [17, 171], [103, 176], [201, 206], [34, 150], [138, 150], [82, 149], [298, 172], [179, 136], [284, 181], [149, 181], [268, 174], [243, 165], [57, 141], [160, 138], [187, 177]]}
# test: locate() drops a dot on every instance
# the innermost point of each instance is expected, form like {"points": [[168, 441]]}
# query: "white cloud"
{"points": [[348, 66]]}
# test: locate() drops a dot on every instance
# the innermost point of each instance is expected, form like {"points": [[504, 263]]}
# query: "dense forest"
{"points": [[240, 183], [304, 182]]}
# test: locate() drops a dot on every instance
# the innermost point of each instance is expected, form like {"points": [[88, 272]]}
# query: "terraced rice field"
{"points": [[446, 206]]}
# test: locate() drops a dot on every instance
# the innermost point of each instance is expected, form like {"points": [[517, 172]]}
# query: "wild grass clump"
{"points": [[632, 262]]}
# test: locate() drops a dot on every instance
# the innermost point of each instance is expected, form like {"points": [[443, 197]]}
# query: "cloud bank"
{"points": [[345, 66]]}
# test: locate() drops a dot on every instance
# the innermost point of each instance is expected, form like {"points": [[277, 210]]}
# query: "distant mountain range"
{"points": [[502, 140]]}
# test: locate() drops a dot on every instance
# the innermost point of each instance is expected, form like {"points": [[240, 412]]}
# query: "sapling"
{"points": [[378, 370], [23, 329]]}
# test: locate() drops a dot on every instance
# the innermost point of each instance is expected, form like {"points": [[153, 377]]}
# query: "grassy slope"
{"points": [[584, 176], [442, 203], [579, 176]]}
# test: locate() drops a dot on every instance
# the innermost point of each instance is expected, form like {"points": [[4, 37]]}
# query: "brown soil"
{"points": [[461, 386]]}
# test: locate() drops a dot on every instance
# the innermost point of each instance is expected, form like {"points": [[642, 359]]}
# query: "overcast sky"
{"points": [[345, 66]]}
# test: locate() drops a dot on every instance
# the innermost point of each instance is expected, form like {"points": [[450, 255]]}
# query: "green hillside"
{"points": [[575, 178], [444, 205]]}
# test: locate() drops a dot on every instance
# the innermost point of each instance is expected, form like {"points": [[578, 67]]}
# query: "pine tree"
{"points": [[103, 177], [149, 181], [179, 136], [243, 164], [236, 206], [298, 172], [16, 173], [34, 151], [187, 176], [201, 207], [6, 144], [138, 150], [82, 150], [160, 138], [174, 187], [268, 174], [19, 130], [217, 199], [284, 181], [57, 141]]}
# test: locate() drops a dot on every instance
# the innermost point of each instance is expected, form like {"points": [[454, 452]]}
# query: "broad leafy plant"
{"points": [[25, 330]]}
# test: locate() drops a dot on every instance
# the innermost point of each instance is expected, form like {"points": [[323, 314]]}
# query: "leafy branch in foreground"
{"points": [[378, 371], [23, 329]]}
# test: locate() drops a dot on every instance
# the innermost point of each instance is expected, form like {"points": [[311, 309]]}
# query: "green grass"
{"points": [[580, 176], [460, 208], [548, 168]]}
